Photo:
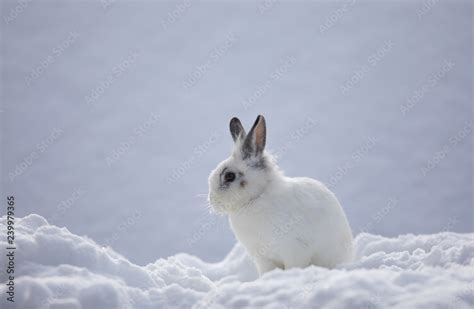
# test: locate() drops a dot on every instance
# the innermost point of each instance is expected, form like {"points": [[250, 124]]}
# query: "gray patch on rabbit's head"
{"points": [[249, 158], [258, 163]]}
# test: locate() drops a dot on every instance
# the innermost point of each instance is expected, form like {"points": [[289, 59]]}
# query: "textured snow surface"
{"points": [[57, 269]]}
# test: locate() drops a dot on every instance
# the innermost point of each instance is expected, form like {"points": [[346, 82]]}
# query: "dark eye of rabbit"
{"points": [[229, 176]]}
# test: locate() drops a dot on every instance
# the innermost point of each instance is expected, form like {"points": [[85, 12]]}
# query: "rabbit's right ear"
{"points": [[254, 143], [236, 129]]}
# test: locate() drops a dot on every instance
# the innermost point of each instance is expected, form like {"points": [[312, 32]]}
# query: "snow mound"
{"points": [[57, 269]]}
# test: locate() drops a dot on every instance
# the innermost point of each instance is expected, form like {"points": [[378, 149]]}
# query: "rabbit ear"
{"points": [[236, 129], [254, 143]]}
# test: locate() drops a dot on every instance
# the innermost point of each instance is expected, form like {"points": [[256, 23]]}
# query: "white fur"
{"points": [[282, 222]]}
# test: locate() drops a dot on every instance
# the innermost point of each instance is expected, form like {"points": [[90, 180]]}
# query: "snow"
{"points": [[57, 269]]}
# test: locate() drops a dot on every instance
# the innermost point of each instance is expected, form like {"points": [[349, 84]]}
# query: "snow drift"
{"points": [[57, 269]]}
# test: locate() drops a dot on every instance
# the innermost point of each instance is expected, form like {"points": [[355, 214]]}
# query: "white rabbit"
{"points": [[282, 222]]}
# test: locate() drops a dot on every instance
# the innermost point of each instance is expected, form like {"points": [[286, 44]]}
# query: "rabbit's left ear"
{"points": [[236, 129], [254, 143]]}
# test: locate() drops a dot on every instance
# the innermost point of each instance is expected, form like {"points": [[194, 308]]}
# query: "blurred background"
{"points": [[113, 113]]}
